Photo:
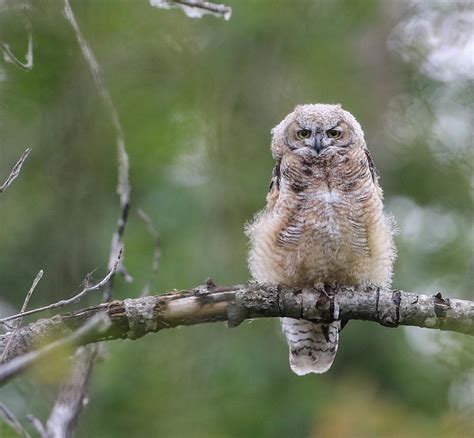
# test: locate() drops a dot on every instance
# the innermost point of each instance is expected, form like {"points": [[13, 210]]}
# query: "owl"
{"points": [[324, 222]]}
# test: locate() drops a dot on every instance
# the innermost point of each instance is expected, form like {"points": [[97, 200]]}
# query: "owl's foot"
{"points": [[328, 290]]}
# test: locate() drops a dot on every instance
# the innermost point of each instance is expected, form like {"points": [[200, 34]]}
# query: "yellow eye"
{"points": [[334, 133], [303, 134]]}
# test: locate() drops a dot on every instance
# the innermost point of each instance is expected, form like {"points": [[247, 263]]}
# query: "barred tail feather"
{"points": [[312, 345]]}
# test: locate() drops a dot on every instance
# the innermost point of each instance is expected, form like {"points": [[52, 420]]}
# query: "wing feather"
{"points": [[274, 187], [374, 172]]}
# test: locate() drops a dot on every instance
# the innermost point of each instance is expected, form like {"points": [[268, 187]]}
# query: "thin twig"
{"points": [[215, 8], [12, 421], [10, 57], [155, 263], [123, 184], [17, 323], [195, 8], [38, 425], [15, 171], [71, 300], [71, 397], [98, 324]]}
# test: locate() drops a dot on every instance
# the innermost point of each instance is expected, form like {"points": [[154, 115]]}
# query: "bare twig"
{"points": [[134, 318], [15, 171], [12, 421], [195, 8], [123, 184], [215, 8], [17, 323], [90, 329], [10, 57], [155, 263], [73, 394], [38, 425], [71, 300], [68, 406]]}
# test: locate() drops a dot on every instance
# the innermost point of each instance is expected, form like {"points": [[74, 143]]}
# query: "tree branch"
{"points": [[155, 263], [15, 171], [195, 8], [72, 395], [134, 318], [8, 55], [74, 299], [123, 183], [85, 334], [18, 321], [10, 419]]}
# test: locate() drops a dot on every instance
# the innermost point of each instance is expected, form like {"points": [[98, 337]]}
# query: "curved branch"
{"points": [[134, 318], [8, 55]]}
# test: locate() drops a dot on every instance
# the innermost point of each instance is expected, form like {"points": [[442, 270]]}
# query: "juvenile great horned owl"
{"points": [[323, 223]]}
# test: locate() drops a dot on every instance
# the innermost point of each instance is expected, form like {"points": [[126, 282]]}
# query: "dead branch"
{"points": [[18, 321], [8, 55], [38, 425], [155, 262], [15, 171], [72, 394], [9, 418], [134, 318], [76, 298], [83, 335], [195, 8], [123, 184]]}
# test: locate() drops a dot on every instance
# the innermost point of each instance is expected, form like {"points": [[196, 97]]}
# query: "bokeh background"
{"points": [[197, 99]]}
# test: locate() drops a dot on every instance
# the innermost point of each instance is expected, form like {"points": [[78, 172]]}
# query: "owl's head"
{"points": [[316, 129]]}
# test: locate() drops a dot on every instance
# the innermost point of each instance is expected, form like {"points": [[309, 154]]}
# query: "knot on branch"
{"points": [[141, 316], [388, 312], [441, 306], [253, 300]]}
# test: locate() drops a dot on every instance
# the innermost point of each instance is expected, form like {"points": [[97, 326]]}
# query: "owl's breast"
{"points": [[318, 228], [322, 221]]}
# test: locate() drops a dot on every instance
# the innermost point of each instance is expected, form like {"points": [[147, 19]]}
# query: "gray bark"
{"points": [[134, 318]]}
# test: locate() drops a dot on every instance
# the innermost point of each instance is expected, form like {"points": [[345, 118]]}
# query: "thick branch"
{"points": [[133, 318]]}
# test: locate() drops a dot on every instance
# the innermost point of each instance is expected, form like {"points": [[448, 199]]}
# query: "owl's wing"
{"points": [[274, 187], [374, 172]]}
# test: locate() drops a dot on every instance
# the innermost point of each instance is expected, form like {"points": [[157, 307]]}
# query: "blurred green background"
{"points": [[197, 99]]}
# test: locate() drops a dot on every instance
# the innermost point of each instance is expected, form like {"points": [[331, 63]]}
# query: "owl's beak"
{"points": [[317, 143]]}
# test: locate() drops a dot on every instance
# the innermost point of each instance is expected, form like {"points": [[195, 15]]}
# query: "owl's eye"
{"points": [[303, 134], [334, 133]]}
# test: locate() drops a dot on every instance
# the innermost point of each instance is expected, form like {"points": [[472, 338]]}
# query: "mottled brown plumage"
{"points": [[323, 223]]}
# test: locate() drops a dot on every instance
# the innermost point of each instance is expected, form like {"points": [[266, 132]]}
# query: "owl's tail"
{"points": [[312, 345]]}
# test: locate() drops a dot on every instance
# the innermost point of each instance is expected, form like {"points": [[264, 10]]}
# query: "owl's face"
{"points": [[315, 130]]}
